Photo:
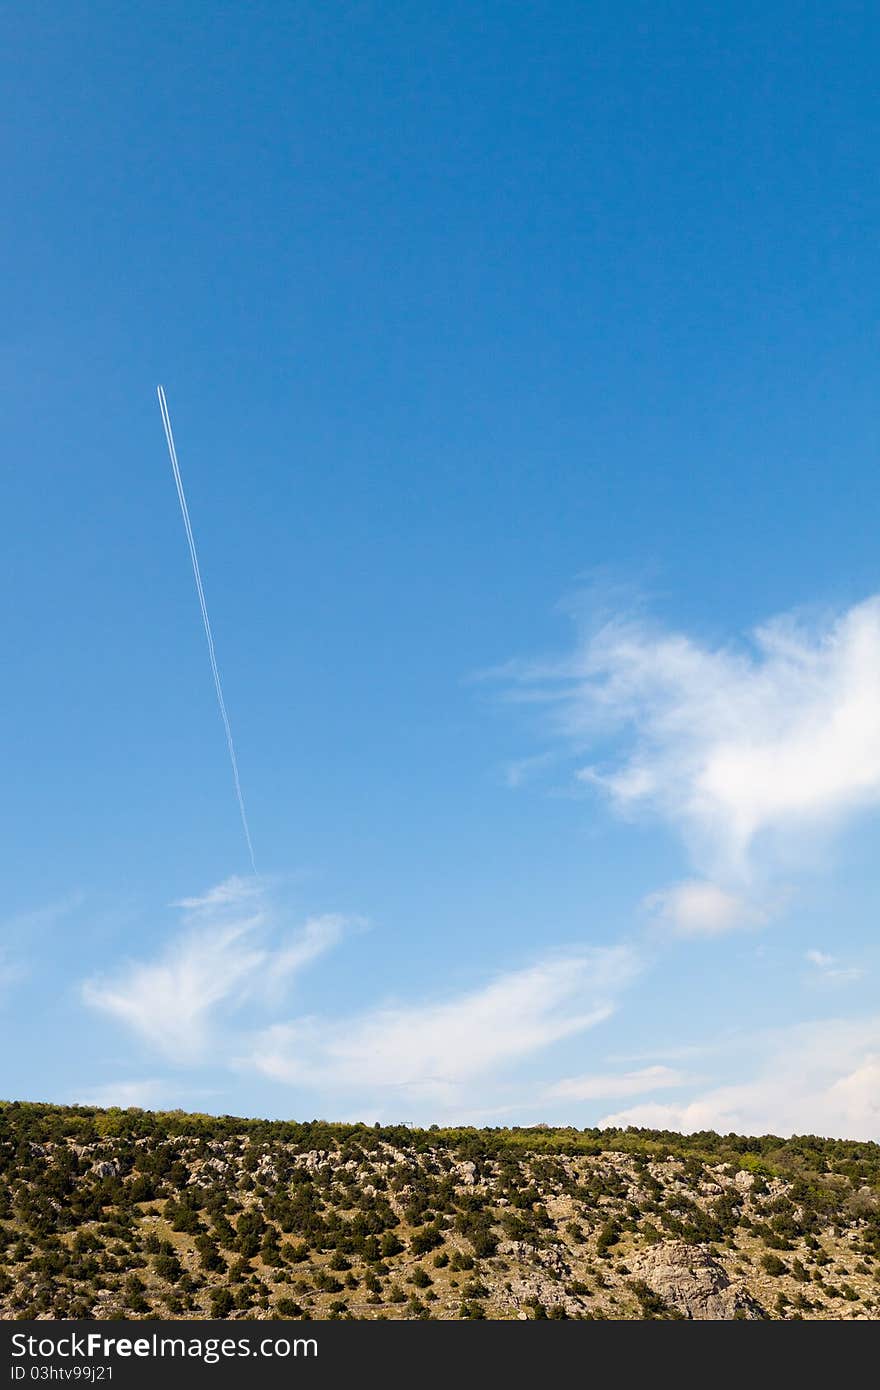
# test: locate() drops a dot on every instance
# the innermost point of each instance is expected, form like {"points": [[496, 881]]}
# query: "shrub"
{"points": [[222, 1303], [651, 1303], [427, 1239], [289, 1308], [472, 1311], [167, 1267]]}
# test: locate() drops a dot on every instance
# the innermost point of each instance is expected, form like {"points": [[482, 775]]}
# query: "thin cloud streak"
{"points": [[124, 1095], [814, 1078], [206, 622], [829, 968], [436, 1050], [611, 1086]]}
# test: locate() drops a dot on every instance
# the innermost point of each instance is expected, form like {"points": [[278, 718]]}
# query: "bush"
{"points": [[167, 1267], [427, 1239], [222, 1303], [472, 1311], [133, 1293], [651, 1303], [609, 1235]]}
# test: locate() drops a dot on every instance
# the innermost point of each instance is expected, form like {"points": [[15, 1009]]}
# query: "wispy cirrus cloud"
{"points": [[814, 1078], [831, 969], [615, 1085], [231, 950], [124, 1094], [747, 750], [727, 742], [436, 1050], [451, 1052]]}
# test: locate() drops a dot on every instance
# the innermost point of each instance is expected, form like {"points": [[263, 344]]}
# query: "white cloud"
{"points": [[228, 953], [317, 935], [611, 1086], [233, 892], [169, 1001], [820, 959], [123, 1094], [819, 1078], [830, 968], [699, 908], [433, 1051], [729, 745]]}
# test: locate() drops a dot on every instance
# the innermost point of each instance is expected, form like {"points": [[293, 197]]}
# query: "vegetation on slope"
{"points": [[138, 1214]]}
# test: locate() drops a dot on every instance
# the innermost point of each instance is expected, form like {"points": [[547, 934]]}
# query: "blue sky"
{"points": [[522, 364]]}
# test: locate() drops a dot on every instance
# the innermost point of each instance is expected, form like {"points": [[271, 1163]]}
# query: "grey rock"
{"points": [[108, 1168], [690, 1279]]}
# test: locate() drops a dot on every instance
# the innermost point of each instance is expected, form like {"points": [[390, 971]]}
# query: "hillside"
{"points": [[133, 1214]]}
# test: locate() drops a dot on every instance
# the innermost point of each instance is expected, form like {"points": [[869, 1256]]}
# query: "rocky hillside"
{"points": [[128, 1214]]}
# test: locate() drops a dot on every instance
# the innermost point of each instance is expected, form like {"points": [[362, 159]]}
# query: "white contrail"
{"points": [[166, 421]]}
